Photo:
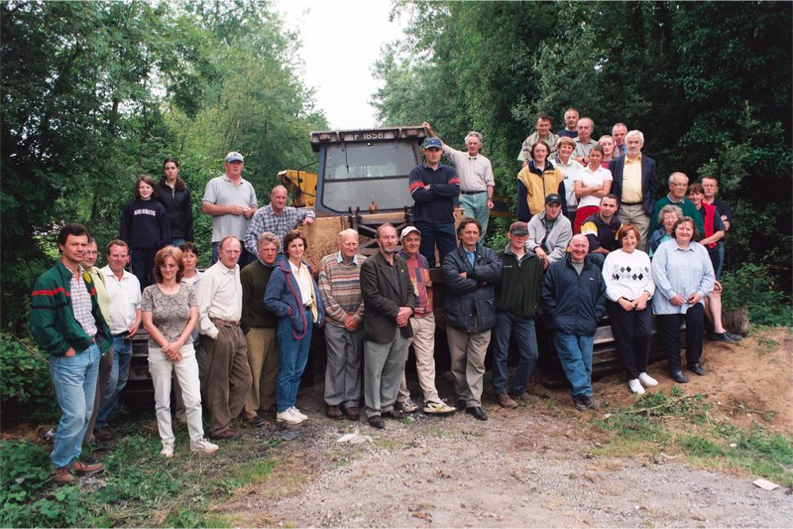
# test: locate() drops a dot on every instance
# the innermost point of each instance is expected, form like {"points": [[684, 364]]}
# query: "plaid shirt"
{"points": [[265, 220], [81, 303]]}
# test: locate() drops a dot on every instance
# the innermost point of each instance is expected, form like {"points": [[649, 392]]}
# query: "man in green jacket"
{"points": [[517, 299], [66, 322], [678, 185]]}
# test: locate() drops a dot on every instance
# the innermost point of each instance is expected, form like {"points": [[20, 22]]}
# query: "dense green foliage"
{"points": [[24, 375], [96, 93], [709, 84]]}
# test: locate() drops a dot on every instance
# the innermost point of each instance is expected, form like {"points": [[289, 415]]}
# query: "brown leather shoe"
{"points": [[83, 468], [352, 413], [505, 401], [334, 413], [375, 421], [228, 433], [63, 476]]}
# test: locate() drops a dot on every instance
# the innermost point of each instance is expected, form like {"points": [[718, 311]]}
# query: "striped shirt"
{"points": [[81, 302], [340, 287], [420, 277]]}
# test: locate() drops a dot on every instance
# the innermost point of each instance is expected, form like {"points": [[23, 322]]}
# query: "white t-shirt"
{"points": [[589, 179]]}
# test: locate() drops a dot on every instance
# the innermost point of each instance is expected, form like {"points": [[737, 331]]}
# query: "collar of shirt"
{"points": [[227, 179], [690, 246], [108, 272], [223, 269], [269, 210], [425, 165], [472, 157], [340, 258], [471, 256], [637, 159]]}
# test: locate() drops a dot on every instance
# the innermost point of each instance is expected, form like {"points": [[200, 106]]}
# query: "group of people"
{"points": [[234, 340]]}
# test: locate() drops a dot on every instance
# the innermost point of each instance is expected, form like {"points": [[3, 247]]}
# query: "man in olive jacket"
{"points": [[66, 322], [389, 301], [517, 300], [470, 272]]}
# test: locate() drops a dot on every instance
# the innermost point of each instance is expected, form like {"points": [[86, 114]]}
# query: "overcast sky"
{"points": [[341, 42]]}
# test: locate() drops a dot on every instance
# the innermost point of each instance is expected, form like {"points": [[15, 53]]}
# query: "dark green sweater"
{"points": [[254, 279], [521, 283]]}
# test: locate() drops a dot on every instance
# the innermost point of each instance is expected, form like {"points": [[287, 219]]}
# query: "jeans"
{"points": [[246, 257], [122, 358], [143, 265], [74, 379], [291, 362], [178, 242], [476, 206], [431, 233], [506, 324], [575, 353]]}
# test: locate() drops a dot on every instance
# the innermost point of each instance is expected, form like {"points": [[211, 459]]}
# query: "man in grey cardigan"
{"points": [[550, 232], [389, 300]]}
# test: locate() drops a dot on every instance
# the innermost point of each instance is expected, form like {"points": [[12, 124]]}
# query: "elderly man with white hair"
{"points": [[635, 185], [476, 176]]}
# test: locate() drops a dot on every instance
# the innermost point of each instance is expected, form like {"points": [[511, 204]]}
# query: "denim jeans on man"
{"points": [[431, 233], [575, 353], [119, 374], [507, 323], [74, 379], [291, 362]]}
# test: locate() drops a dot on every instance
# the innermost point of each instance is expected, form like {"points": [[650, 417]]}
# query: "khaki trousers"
{"points": [[424, 348], [225, 376], [468, 351], [105, 367], [634, 214], [263, 359], [383, 368]]}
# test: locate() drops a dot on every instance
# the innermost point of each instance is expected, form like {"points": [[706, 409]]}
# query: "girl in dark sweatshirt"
{"points": [[145, 228]]}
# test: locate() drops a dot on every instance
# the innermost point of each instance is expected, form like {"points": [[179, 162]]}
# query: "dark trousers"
{"points": [[225, 376], [143, 265], [433, 233], [669, 331], [632, 331], [105, 367]]}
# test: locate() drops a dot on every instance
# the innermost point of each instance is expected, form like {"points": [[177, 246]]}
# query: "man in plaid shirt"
{"points": [[277, 218]]}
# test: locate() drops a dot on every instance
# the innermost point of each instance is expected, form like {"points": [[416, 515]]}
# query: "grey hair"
{"points": [[348, 231], [265, 237], [672, 176], [477, 135], [634, 133], [669, 208]]}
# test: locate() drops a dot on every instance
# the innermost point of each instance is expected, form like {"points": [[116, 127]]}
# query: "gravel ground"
{"points": [[519, 469]]}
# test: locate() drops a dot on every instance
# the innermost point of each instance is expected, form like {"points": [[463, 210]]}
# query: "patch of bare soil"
{"points": [[535, 466]]}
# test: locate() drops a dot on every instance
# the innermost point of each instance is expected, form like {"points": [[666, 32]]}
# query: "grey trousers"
{"points": [[343, 369], [468, 351], [634, 214], [384, 364]]}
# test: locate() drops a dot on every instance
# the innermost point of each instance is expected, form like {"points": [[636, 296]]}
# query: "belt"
{"points": [[218, 321], [121, 334], [472, 192], [631, 203]]}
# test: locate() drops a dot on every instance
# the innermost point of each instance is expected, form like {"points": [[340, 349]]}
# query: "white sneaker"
{"points": [[288, 416], [302, 416], [167, 450], [204, 447], [647, 380], [636, 386]]}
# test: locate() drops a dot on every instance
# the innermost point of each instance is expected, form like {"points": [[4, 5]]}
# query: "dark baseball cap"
{"points": [[519, 228], [553, 197], [430, 143]]}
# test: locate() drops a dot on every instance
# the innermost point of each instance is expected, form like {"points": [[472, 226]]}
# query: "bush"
{"points": [[24, 374], [26, 495], [753, 287]]}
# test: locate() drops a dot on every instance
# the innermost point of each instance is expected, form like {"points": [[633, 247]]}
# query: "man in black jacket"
{"points": [[573, 296], [389, 301], [517, 300], [470, 272]]}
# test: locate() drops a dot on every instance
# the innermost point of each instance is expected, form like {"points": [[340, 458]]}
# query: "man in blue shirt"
{"points": [[433, 187]]}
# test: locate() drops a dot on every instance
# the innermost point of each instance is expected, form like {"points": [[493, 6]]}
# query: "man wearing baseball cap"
{"points": [[423, 325], [433, 187], [517, 300], [231, 201], [550, 232]]}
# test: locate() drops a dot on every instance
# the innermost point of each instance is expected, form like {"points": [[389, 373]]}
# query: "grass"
{"points": [[680, 424]]}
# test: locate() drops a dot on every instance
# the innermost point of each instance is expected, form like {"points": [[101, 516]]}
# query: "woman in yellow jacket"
{"points": [[537, 180]]}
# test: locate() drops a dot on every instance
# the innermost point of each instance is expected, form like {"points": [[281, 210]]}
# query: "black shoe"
{"points": [[698, 369], [393, 414], [375, 421], [590, 402], [461, 405], [580, 403], [477, 412], [721, 337], [679, 377], [735, 337], [255, 421]]}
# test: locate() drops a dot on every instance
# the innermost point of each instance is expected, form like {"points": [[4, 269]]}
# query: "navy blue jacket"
{"points": [[574, 304], [470, 301], [283, 297], [435, 204]]}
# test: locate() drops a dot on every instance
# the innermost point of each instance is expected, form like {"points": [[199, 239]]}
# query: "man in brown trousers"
{"points": [[223, 352]]}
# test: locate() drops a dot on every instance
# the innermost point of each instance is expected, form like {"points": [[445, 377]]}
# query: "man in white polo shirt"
{"points": [[124, 291], [231, 200]]}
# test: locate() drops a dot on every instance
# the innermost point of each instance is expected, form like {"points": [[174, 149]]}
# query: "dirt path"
{"points": [[531, 467]]}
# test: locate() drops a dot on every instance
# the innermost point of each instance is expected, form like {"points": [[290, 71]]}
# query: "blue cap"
{"points": [[432, 142], [234, 156]]}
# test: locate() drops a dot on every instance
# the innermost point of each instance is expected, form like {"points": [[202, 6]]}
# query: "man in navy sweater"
{"points": [[433, 187]]}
